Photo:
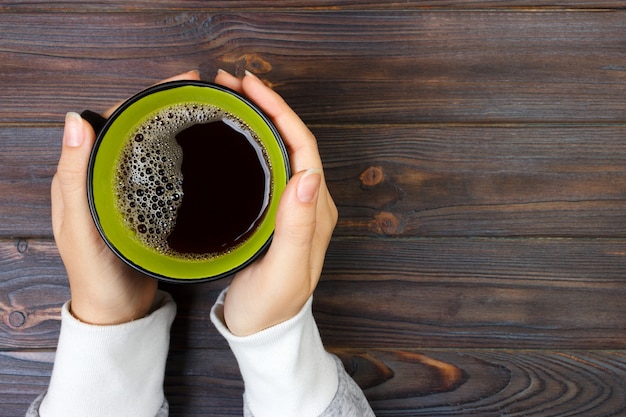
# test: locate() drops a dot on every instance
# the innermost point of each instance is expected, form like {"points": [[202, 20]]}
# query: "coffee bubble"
{"points": [[149, 180]]}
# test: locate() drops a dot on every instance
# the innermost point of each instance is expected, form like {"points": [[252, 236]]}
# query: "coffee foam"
{"points": [[149, 181]]}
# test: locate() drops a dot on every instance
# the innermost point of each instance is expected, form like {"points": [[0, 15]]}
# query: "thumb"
{"points": [[296, 221], [276, 288], [70, 182], [296, 217]]}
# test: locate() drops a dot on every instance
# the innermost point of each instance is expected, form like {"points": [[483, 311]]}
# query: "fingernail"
{"points": [[309, 185], [73, 136], [196, 72], [248, 73], [221, 71]]}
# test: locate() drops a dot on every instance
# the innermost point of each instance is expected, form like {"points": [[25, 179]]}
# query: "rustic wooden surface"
{"points": [[476, 153]]}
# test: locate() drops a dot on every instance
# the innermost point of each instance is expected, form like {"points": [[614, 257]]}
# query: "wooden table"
{"points": [[476, 153]]}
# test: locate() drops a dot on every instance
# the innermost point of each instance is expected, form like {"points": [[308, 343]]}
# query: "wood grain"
{"points": [[476, 181], [146, 5], [504, 383], [473, 293], [431, 382], [420, 181], [349, 67], [28, 160], [33, 286]]}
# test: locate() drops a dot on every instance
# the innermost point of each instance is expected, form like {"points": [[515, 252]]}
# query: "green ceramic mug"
{"points": [[184, 180]]}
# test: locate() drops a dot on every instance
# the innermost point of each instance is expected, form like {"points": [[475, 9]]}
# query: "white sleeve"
{"points": [[285, 368], [110, 370]]}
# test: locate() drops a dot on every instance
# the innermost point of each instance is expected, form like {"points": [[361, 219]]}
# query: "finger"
{"points": [[190, 75], [327, 216], [295, 230], [70, 185], [228, 80], [57, 209], [78, 139], [300, 141], [304, 155]]}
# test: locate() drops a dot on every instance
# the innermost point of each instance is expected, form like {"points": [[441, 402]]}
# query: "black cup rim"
{"points": [[101, 133]]}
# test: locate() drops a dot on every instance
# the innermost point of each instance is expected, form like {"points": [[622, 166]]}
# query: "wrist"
{"points": [[88, 314], [248, 310], [110, 309]]}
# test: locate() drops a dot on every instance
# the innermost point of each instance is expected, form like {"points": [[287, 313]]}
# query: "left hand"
{"points": [[275, 288]]}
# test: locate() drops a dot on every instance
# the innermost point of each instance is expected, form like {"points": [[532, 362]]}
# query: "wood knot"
{"points": [[386, 223], [367, 370], [22, 245], [400, 374], [372, 176], [17, 319], [253, 63]]}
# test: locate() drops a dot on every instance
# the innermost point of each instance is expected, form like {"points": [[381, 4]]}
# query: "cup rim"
{"points": [[102, 135]]}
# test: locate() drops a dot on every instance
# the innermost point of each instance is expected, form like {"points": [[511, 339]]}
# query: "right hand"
{"points": [[275, 287]]}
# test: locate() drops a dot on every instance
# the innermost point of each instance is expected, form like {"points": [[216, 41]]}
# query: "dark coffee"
{"points": [[193, 181], [226, 185]]}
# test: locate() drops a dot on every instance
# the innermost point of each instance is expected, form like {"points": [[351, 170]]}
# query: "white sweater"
{"points": [[117, 371]]}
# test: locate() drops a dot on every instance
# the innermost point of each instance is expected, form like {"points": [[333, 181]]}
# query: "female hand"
{"points": [[104, 289], [275, 288]]}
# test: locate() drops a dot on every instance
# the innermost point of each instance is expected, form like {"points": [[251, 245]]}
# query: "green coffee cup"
{"points": [[184, 181]]}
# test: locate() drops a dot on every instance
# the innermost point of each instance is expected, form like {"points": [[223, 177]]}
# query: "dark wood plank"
{"points": [[33, 286], [559, 181], [391, 293], [473, 293], [23, 376], [407, 181], [500, 383], [340, 67], [396, 382], [146, 5], [28, 160]]}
